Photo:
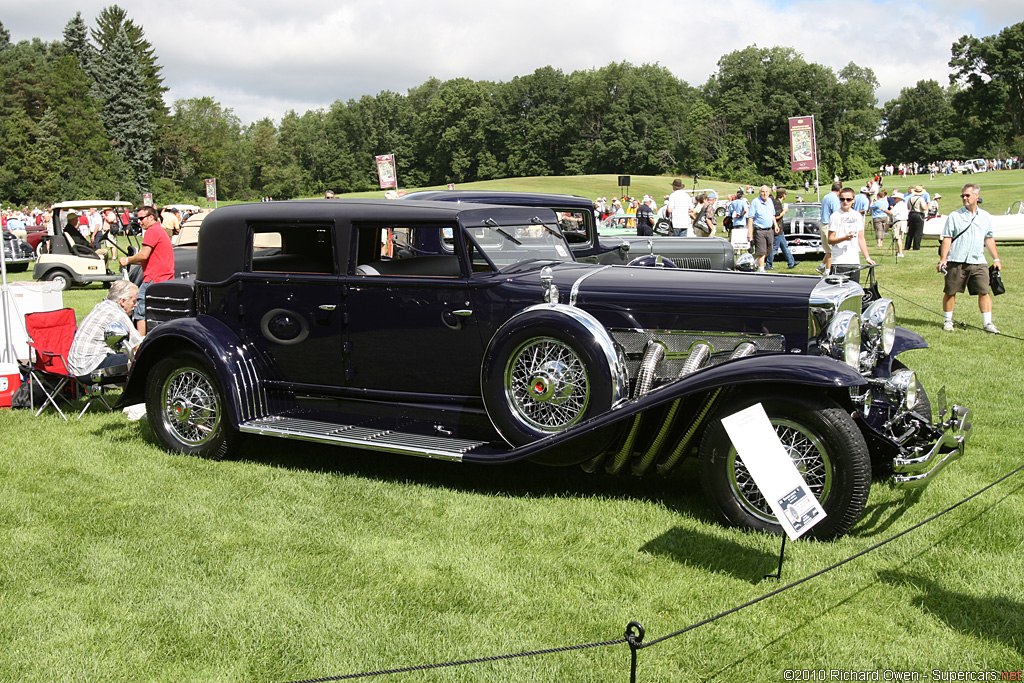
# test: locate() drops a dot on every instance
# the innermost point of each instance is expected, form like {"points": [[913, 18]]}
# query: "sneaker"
{"points": [[947, 326], [136, 412], [901, 255], [989, 327], [820, 269]]}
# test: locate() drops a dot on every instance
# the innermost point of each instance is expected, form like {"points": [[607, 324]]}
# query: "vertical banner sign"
{"points": [[386, 171], [802, 155], [211, 189], [147, 199]]}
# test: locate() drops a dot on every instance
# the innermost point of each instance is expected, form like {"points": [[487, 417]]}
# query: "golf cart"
{"points": [[70, 259]]}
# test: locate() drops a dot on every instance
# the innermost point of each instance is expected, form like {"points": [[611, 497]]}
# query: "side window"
{"points": [[293, 249], [573, 225], [406, 250]]}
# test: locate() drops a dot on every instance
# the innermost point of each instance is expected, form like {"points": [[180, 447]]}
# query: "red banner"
{"points": [[802, 153], [211, 189], [386, 171]]}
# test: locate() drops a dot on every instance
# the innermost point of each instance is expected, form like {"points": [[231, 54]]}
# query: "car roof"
{"points": [[506, 198], [91, 203]]}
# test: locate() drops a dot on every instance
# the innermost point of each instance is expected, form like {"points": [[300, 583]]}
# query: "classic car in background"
{"points": [[469, 332], [576, 217], [1006, 227], [801, 224], [17, 254]]}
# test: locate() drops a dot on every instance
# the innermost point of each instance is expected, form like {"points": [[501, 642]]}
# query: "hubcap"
{"points": [[191, 407], [546, 384]]}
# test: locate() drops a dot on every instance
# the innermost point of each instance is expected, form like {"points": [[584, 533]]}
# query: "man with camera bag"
{"points": [[967, 234]]}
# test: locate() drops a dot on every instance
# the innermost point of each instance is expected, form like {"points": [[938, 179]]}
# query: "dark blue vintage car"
{"points": [[469, 332]]}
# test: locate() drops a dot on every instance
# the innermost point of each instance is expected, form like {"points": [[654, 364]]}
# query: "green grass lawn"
{"points": [[120, 562]]}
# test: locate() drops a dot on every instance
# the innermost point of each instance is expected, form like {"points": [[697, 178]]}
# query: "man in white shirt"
{"points": [[680, 209], [846, 237]]}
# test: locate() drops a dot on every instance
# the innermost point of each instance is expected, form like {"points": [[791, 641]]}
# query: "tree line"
{"points": [[85, 117]]}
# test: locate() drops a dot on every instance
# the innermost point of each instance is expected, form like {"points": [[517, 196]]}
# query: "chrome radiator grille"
{"points": [[677, 347]]}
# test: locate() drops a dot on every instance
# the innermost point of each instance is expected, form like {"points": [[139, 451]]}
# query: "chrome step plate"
{"points": [[360, 437]]}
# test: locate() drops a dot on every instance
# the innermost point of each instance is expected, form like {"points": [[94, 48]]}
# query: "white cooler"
{"points": [[22, 298]]}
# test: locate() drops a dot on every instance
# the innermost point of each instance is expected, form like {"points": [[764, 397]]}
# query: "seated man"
{"points": [[89, 350]]}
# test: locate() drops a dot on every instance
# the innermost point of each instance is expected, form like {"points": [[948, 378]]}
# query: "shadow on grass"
{"points": [[719, 555], [994, 618], [679, 491], [878, 518]]}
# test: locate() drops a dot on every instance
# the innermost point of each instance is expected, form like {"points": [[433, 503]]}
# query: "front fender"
{"points": [[798, 370], [906, 340], [213, 340]]}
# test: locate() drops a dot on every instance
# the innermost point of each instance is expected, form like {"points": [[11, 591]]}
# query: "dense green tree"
{"points": [[76, 42], [5, 37], [208, 143], [121, 96], [990, 71], [109, 22], [920, 125]]}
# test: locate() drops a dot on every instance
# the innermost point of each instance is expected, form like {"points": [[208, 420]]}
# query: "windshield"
{"points": [[812, 211], [506, 245]]}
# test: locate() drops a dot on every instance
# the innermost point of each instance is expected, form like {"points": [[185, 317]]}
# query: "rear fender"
{"points": [[211, 339]]}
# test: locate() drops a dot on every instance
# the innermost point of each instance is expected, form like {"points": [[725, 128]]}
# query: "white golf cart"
{"points": [[68, 258]]}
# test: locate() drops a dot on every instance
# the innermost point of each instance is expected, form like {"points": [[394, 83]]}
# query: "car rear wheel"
{"points": [[825, 445], [186, 408]]}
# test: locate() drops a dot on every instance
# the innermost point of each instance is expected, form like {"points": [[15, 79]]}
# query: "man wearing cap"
{"points": [[917, 205], [645, 219], [861, 203], [680, 209], [968, 232]]}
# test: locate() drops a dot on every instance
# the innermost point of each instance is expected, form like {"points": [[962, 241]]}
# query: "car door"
{"points": [[410, 324], [290, 304]]}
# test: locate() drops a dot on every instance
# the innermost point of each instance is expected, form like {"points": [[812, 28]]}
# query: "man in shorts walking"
{"points": [[967, 234]]}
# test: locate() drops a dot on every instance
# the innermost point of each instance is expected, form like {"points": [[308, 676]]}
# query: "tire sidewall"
{"points": [[847, 451], [215, 447], [520, 331]]}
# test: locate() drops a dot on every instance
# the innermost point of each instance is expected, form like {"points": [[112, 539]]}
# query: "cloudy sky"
{"points": [[264, 57]]}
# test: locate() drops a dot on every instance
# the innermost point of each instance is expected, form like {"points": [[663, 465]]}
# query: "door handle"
{"points": [[463, 313], [327, 307]]}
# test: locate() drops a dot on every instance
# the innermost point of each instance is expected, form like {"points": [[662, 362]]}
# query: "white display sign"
{"points": [[773, 471]]}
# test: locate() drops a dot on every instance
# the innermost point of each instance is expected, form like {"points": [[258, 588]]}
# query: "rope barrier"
{"points": [[634, 634], [939, 314]]}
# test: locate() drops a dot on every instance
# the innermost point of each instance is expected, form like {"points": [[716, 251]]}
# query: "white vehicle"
{"points": [[1008, 227], [70, 259], [973, 166]]}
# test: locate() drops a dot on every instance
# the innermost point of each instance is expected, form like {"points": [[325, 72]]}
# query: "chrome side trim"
{"points": [[574, 292]]}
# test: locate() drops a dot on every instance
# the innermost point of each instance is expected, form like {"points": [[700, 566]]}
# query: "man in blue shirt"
{"points": [[967, 234], [737, 211], [761, 225], [829, 205]]}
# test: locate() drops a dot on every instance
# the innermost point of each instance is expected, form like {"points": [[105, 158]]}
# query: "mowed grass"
{"points": [[287, 561]]}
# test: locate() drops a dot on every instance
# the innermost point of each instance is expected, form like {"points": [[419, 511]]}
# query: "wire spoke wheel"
{"points": [[807, 452], [190, 406], [546, 384]]}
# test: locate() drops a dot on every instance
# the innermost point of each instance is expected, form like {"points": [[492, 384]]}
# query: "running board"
{"points": [[360, 437]]}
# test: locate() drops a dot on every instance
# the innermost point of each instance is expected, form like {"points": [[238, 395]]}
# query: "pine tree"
{"points": [[5, 37], [76, 42], [109, 22], [120, 90]]}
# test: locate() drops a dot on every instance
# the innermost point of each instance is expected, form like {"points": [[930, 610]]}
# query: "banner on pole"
{"points": [[386, 171], [802, 153], [211, 189]]}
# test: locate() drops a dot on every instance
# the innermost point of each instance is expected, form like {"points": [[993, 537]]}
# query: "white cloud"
{"points": [[264, 57]]}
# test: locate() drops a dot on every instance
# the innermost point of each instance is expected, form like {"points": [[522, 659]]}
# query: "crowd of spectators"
{"points": [[951, 166]]}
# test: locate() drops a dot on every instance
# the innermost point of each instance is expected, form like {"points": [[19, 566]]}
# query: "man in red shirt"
{"points": [[156, 257]]}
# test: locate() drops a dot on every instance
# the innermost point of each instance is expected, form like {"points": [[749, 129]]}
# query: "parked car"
{"points": [[1006, 227], [469, 332], [973, 166], [69, 259], [17, 254], [576, 217], [802, 224]]}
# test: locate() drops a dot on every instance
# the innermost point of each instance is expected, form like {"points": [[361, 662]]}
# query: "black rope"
{"points": [[634, 634], [958, 323]]}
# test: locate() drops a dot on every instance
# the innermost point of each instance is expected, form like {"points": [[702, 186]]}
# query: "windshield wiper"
{"points": [[494, 224]]}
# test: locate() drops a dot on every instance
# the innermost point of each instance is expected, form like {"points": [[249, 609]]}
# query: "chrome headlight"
{"points": [[841, 338], [879, 325], [902, 388]]}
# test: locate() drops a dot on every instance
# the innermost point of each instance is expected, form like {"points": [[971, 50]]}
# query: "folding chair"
{"points": [[50, 335]]}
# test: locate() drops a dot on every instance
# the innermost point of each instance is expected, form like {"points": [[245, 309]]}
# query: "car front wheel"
{"points": [[825, 445], [186, 408]]}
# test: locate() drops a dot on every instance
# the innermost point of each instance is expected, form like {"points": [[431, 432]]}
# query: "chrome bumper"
{"points": [[925, 462]]}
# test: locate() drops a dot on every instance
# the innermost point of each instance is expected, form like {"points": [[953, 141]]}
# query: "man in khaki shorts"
{"points": [[967, 234]]}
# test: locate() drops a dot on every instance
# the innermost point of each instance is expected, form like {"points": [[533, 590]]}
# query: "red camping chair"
{"points": [[50, 335]]}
